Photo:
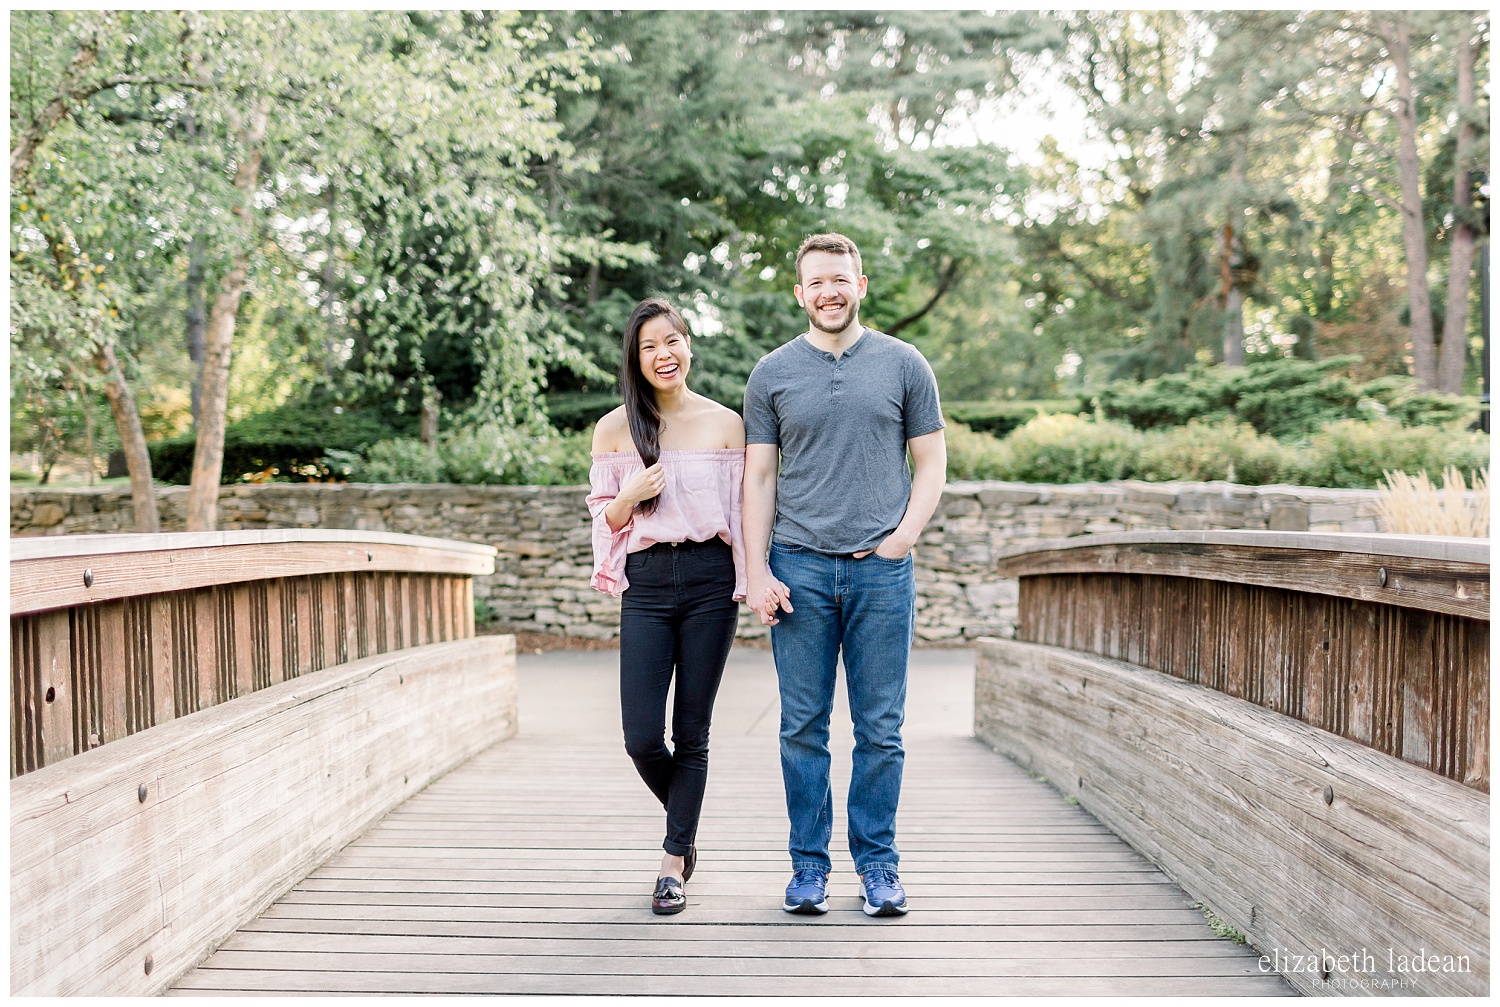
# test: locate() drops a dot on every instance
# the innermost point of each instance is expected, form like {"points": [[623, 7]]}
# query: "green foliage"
{"points": [[1349, 453], [1285, 398], [287, 443], [973, 455], [480, 456], [576, 410], [468, 203], [1063, 448], [400, 460], [1000, 418], [1354, 453], [1201, 452], [1217, 925], [1395, 397]]}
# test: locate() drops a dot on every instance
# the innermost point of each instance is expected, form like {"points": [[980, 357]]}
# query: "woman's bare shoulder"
{"points": [[612, 432], [728, 423]]}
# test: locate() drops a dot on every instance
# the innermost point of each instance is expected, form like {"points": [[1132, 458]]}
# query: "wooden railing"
{"points": [[1293, 726], [199, 720], [113, 634], [1380, 639]]}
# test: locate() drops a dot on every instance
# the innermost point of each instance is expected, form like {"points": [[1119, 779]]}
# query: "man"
{"points": [[841, 405]]}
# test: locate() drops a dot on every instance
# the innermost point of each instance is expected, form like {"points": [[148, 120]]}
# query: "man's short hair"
{"points": [[834, 243]]}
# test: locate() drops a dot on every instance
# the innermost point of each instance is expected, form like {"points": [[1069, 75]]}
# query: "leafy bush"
{"points": [[1355, 454], [1069, 449], [1286, 398], [401, 460], [1168, 401], [484, 455], [1000, 418], [1397, 398], [1350, 453], [973, 455], [1200, 452], [290, 442]]}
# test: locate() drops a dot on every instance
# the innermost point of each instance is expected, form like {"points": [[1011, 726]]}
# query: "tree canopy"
{"points": [[453, 212]]}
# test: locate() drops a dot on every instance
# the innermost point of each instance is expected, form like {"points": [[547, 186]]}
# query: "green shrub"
{"points": [[484, 455], [1284, 397], [1069, 449], [999, 418], [288, 443], [973, 455], [563, 460], [1201, 452], [1397, 398], [1353, 453], [400, 460], [1349, 453], [1168, 401]]}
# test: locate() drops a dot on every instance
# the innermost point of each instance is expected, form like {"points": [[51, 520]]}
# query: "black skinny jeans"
{"points": [[678, 614]]}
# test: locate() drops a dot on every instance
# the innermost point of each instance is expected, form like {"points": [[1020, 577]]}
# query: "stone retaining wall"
{"points": [[542, 532]]}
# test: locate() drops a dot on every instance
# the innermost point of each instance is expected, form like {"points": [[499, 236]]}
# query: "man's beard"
{"points": [[850, 313]]}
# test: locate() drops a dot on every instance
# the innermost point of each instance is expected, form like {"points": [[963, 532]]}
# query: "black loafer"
{"points": [[668, 897], [688, 863]]}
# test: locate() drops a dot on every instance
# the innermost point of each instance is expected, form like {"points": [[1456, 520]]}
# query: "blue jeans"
{"points": [[867, 607]]}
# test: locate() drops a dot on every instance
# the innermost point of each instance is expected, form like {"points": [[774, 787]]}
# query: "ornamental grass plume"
{"points": [[1412, 505]]}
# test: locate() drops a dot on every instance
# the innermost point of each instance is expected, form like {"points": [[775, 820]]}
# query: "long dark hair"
{"points": [[641, 411]]}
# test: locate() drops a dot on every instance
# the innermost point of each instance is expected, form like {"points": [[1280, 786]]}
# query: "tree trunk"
{"points": [[197, 319], [1233, 258], [208, 452], [1461, 254], [132, 439], [197, 310], [1413, 234], [121, 401], [1234, 328], [331, 347], [427, 429]]}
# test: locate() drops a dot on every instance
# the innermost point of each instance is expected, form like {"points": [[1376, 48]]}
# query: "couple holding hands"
{"points": [[807, 511]]}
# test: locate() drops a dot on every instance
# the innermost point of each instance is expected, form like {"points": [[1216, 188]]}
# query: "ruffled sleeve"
{"points": [[733, 490], [609, 546]]}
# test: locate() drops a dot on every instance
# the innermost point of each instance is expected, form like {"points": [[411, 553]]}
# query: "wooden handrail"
{"points": [[64, 571], [113, 634], [1381, 639], [1426, 572]]}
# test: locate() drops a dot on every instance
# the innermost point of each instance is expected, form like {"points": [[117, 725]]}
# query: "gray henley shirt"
{"points": [[842, 424]]}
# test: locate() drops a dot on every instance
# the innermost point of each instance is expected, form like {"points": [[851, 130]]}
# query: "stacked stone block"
{"points": [[541, 579]]}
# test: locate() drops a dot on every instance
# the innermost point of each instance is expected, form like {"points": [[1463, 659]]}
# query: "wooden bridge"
{"points": [[309, 777]]}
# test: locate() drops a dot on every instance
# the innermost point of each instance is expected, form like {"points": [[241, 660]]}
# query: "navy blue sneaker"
{"points": [[807, 893], [884, 895]]}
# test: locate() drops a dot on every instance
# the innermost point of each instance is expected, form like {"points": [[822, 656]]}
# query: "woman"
{"points": [[665, 498]]}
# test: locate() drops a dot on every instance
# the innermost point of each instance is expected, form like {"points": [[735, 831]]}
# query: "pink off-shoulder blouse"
{"points": [[703, 498]]}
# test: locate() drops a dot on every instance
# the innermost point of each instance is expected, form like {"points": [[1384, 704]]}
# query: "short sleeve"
{"points": [[609, 546], [920, 407], [761, 426]]}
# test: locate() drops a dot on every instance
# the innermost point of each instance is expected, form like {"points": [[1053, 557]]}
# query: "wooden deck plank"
{"points": [[528, 871], [255, 980], [667, 963], [844, 926], [279, 940]]}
